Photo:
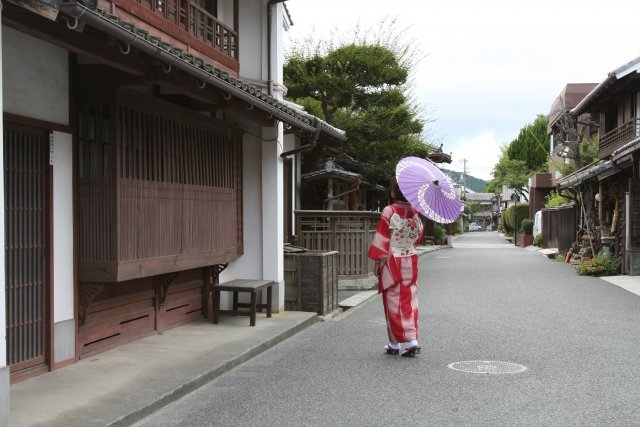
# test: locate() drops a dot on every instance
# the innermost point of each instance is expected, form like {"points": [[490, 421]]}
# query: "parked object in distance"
{"points": [[475, 227]]}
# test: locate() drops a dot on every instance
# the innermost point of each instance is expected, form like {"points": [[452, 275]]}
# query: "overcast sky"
{"points": [[490, 67]]}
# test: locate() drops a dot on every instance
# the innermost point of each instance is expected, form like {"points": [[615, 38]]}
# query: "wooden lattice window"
{"points": [[157, 185]]}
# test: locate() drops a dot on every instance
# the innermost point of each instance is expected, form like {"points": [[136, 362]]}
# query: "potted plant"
{"points": [[525, 236]]}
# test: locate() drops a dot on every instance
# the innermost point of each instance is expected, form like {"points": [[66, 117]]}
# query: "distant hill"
{"points": [[474, 184]]}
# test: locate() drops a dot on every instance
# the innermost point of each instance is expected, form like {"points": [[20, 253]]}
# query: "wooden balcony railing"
{"points": [[201, 24], [616, 138], [348, 232]]}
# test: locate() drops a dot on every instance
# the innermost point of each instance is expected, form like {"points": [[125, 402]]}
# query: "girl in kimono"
{"points": [[396, 266]]}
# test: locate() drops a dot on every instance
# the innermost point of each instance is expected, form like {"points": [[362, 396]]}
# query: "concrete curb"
{"points": [[209, 376]]}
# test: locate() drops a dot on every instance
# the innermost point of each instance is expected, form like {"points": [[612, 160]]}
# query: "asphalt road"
{"points": [[485, 300]]}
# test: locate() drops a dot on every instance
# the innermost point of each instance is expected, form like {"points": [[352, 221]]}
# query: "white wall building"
{"points": [[45, 105]]}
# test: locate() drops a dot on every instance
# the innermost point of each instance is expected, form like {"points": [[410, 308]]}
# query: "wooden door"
{"points": [[287, 170], [637, 110], [26, 247]]}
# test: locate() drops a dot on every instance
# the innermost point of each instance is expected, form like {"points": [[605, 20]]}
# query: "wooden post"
{"points": [[365, 246], [601, 204], [330, 193]]}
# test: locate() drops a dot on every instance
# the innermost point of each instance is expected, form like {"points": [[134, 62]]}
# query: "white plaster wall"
{"points": [[273, 188], [263, 185], [253, 46], [272, 209], [34, 69], [249, 265], [277, 47], [63, 226]]}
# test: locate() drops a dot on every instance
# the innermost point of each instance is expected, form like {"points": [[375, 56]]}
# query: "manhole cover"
{"points": [[487, 367]]}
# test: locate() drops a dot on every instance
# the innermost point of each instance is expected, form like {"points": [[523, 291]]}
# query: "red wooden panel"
{"points": [[183, 304], [115, 321]]}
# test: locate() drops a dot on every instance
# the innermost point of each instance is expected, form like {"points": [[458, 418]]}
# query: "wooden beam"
{"points": [[189, 86], [38, 7], [249, 111], [188, 102], [91, 44]]}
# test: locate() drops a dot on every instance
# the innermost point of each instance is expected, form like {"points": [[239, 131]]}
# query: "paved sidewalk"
{"points": [[123, 385], [630, 283]]}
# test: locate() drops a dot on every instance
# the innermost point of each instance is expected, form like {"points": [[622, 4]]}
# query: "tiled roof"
{"points": [[173, 56], [331, 168], [632, 66], [480, 197]]}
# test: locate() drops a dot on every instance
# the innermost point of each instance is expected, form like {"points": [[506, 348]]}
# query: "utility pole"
{"points": [[464, 179]]}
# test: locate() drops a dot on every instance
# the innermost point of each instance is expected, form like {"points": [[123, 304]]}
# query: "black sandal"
{"points": [[411, 351], [389, 350]]}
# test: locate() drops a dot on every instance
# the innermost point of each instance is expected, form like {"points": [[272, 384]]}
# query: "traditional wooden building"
{"points": [[611, 185], [563, 128], [332, 187], [141, 148]]}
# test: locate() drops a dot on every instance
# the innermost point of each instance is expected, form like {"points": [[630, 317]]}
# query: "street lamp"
{"points": [[515, 199]]}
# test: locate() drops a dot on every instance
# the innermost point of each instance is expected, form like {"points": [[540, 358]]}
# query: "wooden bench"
{"points": [[426, 240], [242, 285]]}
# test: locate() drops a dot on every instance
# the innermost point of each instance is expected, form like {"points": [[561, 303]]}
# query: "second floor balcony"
{"points": [[193, 22], [618, 137]]}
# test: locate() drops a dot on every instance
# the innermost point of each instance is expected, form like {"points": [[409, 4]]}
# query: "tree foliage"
{"points": [[510, 172], [363, 87], [554, 199], [589, 149], [512, 217], [532, 145], [472, 208], [523, 157]]}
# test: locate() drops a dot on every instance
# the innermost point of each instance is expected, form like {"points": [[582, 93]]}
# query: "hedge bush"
{"points": [[510, 214], [538, 240], [526, 226]]}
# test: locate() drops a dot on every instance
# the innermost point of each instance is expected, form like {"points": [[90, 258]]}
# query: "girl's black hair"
{"points": [[394, 191]]}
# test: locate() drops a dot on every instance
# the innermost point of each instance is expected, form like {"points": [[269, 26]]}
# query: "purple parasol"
{"points": [[428, 189]]}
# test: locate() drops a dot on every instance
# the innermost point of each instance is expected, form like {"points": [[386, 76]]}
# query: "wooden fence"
{"points": [[559, 227], [348, 232]]}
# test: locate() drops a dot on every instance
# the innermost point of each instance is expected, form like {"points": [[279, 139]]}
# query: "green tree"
{"points": [[589, 149], [532, 145], [524, 156], [473, 208], [512, 173], [363, 87]]}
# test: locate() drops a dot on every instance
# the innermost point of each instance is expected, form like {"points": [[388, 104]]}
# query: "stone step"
{"points": [[356, 299], [550, 252]]}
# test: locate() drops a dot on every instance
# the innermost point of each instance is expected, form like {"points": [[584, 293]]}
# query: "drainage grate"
{"points": [[487, 367]]}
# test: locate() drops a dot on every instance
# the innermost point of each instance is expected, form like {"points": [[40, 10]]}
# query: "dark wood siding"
{"points": [[634, 214], [26, 250], [159, 190], [559, 227]]}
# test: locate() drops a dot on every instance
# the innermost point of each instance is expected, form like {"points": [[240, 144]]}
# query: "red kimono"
{"points": [[393, 245]]}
